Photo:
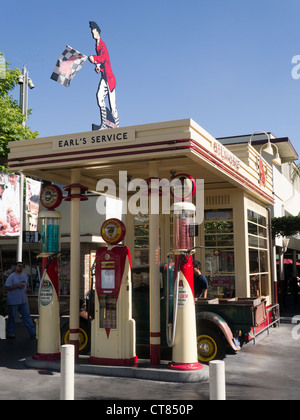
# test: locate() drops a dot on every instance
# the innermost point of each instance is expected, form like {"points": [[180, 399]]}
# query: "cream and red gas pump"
{"points": [[113, 329], [48, 325], [181, 332]]}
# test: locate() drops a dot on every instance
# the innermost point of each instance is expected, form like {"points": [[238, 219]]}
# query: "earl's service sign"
{"points": [[93, 139]]}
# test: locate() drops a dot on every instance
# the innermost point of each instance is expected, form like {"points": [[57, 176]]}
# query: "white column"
{"points": [[75, 262], [217, 388], [20, 237], [154, 263], [67, 368]]}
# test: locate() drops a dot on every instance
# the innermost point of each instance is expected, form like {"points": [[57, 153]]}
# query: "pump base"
{"points": [[185, 366], [46, 356], [113, 362]]}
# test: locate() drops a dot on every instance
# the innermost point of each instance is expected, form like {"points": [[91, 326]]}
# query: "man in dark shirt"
{"points": [[200, 281]]}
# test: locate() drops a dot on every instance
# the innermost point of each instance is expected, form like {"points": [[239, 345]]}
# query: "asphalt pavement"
{"points": [[268, 370]]}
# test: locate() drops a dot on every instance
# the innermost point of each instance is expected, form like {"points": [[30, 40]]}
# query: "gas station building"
{"points": [[234, 233], [238, 192]]}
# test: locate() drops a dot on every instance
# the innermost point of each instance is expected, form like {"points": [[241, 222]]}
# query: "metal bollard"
{"points": [[67, 368], [217, 387], [2, 328]]}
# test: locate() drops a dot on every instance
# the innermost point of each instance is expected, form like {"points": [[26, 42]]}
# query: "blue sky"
{"points": [[224, 63]]}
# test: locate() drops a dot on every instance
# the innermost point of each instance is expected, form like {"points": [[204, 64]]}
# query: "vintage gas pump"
{"points": [[181, 333], [113, 329], [48, 322]]}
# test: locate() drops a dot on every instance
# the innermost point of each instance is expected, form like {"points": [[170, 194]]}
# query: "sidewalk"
{"points": [[142, 370], [269, 370], [20, 350]]}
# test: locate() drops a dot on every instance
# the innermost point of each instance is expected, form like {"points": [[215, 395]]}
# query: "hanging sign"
{"points": [[33, 192], [30, 237]]}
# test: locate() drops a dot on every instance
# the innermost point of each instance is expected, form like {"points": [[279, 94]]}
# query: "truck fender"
{"points": [[221, 324]]}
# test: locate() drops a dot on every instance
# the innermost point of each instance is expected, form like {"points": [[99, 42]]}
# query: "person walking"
{"points": [[200, 281], [17, 301]]}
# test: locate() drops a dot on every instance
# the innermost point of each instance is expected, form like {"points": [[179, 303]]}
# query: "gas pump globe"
{"points": [[48, 325], [181, 332], [184, 226], [51, 198]]}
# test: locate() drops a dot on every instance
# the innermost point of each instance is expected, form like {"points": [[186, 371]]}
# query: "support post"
{"points": [[2, 328], [75, 271], [217, 388], [67, 372], [20, 237], [75, 195], [154, 262]]}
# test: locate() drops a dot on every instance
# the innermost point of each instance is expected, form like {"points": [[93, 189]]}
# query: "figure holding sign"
{"points": [[107, 85]]}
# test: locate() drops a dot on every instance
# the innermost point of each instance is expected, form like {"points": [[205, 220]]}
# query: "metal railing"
{"points": [[276, 315]]}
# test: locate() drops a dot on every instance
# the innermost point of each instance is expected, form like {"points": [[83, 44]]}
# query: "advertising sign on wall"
{"points": [[9, 204], [32, 204]]}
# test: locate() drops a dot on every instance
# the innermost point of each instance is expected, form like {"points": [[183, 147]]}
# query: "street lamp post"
{"points": [[268, 148], [24, 82]]}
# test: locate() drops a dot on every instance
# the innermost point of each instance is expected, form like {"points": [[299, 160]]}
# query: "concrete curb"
{"points": [[141, 371]]}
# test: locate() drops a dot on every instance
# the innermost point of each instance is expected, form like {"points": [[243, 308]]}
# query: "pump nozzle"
{"points": [[189, 251]]}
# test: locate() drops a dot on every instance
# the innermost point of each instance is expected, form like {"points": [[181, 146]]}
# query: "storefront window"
{"points": [[219, 252], [258, 254], [141, 240], [64, 273], [141, 249]]}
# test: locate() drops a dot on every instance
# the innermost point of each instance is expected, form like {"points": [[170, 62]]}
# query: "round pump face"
{"points": [[184, 219]]}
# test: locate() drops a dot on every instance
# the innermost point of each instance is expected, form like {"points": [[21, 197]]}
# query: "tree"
{"points": [[285, 226], [11, 118]]}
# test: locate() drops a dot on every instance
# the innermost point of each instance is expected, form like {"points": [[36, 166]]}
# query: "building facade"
{"points": [[235, 232]]}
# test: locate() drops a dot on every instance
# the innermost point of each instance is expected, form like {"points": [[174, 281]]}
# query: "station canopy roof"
{"points": [[180, 146]]}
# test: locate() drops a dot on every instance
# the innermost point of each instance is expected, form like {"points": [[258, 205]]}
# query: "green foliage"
{"points": [[285, 226], [11, 118], [10, 80]]}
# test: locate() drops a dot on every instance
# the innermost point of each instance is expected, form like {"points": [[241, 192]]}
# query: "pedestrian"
{"points": [[17, 301], [200, 281], [294, 286]]}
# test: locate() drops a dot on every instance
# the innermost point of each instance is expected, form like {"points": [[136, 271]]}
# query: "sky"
{"points": [[227, 64]]}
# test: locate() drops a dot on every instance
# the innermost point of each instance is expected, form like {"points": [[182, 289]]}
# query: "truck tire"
{"points": [[84, 336], [210, 345]]}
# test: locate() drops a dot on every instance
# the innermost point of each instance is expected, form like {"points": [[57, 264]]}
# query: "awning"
{"points": [[288, 261]]}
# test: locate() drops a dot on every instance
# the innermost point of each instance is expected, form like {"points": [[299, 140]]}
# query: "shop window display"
{"points": [[141, 240], [219, 252], [258, 254]]}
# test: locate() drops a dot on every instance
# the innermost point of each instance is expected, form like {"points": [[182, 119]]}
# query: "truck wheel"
{"points": [[84, 336], [210, 345]]}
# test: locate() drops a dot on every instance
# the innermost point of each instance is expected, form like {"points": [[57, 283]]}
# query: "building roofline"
{"points": [[275, 140]]}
